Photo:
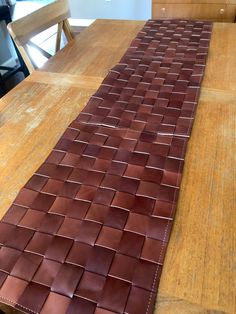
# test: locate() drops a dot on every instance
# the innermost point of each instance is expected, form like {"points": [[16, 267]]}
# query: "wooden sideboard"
{"points": [[214, 10]]}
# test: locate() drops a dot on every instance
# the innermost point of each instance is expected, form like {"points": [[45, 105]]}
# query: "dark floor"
{"points": [[14, 80]]}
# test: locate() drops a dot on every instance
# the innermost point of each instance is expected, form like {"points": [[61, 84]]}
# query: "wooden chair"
{"points": [[20, 65], [24, 29]]}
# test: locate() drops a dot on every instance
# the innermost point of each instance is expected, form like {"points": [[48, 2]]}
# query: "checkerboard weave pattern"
{"points": [[89, 231]]}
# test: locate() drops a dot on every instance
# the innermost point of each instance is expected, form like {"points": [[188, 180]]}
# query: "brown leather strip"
{"points": [[89, 231]]}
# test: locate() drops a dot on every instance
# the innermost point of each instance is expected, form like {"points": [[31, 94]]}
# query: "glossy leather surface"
{"points": [[89, 231]]}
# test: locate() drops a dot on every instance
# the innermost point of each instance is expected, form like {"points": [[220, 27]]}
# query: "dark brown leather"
{"points": [[89, 231]]}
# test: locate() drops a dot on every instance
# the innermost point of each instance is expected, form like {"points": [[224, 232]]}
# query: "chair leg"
{"points": [[22, 63], [23, 67], [3, 89]]}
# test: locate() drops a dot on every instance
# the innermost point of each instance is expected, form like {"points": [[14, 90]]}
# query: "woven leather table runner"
{"points": [[89, 231]]}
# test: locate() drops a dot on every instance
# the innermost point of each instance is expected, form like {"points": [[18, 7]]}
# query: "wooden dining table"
{"points": [[199, 274]]}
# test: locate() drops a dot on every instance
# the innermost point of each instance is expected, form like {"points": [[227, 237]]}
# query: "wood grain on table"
{"points": [[199, 274]]}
